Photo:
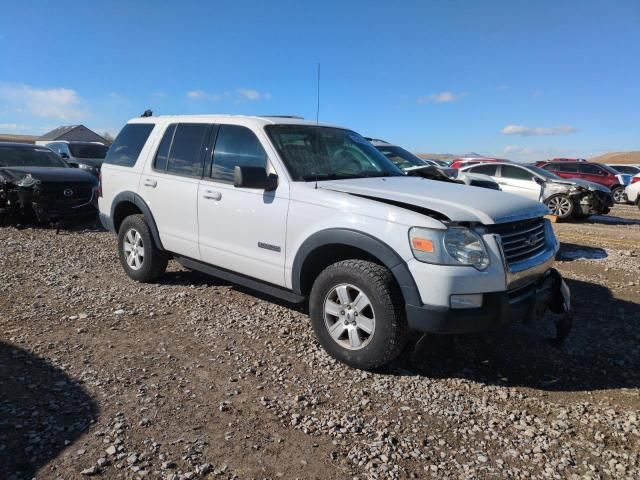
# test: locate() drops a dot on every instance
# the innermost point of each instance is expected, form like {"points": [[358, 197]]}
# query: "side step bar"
{"points": [[252, 283]]}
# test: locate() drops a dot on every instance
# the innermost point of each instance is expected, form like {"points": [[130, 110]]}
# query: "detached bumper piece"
{"points": [[499, 309]]}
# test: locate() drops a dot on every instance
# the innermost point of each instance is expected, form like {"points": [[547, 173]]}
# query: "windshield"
{"points": [[628, 169], [544, 173], [401, 157], [29, 157], [324, 153], [88, 150]]}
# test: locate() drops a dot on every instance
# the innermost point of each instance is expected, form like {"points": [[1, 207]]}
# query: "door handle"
{"points": [[211, 195], [149, 182]]}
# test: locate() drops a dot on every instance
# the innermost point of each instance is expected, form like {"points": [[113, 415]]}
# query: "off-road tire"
{"points": [[565, 214], [378, 284], [155, 261]]}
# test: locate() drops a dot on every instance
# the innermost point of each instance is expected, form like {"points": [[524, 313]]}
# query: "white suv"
{"points": [[313, 212]]}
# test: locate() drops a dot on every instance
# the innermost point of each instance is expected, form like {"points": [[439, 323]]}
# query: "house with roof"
{"points": [[71, 133]]}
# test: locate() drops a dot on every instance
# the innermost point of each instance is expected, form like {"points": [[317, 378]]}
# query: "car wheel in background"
{"points": [[138, 254], [357, 313], [618, 195], [560, 205]]}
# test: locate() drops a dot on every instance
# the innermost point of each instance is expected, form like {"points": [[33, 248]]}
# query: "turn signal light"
{"points": [[635, 179], [422, 244]]}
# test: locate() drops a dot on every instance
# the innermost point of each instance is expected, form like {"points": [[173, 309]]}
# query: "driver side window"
{"points": [[515, 173], [236, 146]]}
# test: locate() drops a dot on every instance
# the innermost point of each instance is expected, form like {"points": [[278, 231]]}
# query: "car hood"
{"points": [[457, 202], [582, 183], [48, 174]]}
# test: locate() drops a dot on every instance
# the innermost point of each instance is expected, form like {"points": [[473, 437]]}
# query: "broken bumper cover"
{"points": [[498, 309]]}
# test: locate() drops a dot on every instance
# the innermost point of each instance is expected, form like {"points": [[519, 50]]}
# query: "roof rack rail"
{"points": [[283, 116]]}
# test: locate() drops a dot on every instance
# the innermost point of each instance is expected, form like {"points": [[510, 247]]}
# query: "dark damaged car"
{"points": [[37, 185], [414, 166], [565, 197]]}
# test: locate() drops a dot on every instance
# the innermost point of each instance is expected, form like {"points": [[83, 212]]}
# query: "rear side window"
{"points": [[185, 157], [485, 169], [160, 162], [128, 144], [590, 169], [567, 168], [517, 173], [236, 146]]}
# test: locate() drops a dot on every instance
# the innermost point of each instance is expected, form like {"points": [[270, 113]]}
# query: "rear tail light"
{"points": [[100, 184], [635, 179]]}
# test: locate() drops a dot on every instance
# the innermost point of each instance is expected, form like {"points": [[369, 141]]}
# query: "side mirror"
{"points": [[254, 177], [64, 155], [538, 180]]}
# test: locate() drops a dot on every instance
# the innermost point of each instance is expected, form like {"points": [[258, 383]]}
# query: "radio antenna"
{"points": [[318, 97]]}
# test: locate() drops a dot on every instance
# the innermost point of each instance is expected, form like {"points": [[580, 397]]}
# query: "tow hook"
{"points": [[560, 303]]}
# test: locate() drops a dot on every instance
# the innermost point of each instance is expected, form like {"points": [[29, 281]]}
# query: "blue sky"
{"points": [[525, 80]]}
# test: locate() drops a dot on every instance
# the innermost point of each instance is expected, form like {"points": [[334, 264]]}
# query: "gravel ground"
{"points": [[194, 378]]}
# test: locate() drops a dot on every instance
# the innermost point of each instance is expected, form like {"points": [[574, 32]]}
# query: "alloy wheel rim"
{"points": [[618, 195], [349, 316], [560, 206], [133, 249]]}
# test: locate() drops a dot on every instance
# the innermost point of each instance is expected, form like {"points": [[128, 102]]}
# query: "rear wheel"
{"points": [[139, 256], [560, 205], [618, 194], [357, 313]]}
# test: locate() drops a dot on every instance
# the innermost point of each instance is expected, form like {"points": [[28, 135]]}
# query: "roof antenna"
{"points": [[147, 113], [318, 98]]}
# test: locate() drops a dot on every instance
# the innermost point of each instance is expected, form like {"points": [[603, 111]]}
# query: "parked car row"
{"points": [[566, 198]]}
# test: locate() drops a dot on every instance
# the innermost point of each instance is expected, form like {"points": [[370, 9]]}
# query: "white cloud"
{"points": [[14, 127], [442, 97], [517, 150], [58, 103], [202, 95], [529, 131], [249, 94], [239, 95]]}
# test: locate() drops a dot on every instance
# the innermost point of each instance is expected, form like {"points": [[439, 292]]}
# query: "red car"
{"points": [[464, 162], [592, 172]]}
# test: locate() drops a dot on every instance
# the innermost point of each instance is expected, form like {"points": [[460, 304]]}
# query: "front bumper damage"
{"points": [[587, 201], [499, 309], [28, 199]]}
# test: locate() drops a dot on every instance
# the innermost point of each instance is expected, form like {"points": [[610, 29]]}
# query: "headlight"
{"points": [[454, 246], [88, 168]]}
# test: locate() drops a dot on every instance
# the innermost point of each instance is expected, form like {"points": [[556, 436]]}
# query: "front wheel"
{"points": [[561, 206], [139, 257], [357, 314], [618, 195]]}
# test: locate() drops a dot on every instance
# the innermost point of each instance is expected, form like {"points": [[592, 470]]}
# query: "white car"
{"points": [[303, 211], [632, 192], [565, 197]]}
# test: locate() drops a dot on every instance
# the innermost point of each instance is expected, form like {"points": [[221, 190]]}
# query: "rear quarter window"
{"points": [[128, 144]]}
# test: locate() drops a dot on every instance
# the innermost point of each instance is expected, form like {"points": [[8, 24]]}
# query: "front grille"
{"points": [[80, 193], [521, 240]]}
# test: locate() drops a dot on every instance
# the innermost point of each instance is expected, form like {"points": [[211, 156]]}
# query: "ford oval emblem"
{"points": [[531, 240], [68, 193]]}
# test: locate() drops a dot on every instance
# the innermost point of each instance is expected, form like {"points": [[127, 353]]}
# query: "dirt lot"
{"points": [[194, 378]]}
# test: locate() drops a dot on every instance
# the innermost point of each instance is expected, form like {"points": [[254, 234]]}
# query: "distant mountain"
{"points": [[438, 156], [448, 156], [618, 157]]}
